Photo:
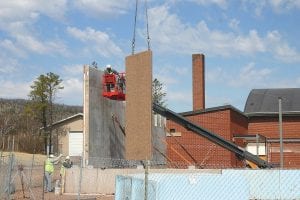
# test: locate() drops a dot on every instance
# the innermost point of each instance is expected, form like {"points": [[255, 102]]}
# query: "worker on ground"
{"points": [[49, 170], [65, 165]]}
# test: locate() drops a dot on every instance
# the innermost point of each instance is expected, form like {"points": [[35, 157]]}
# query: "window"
{"points": [[173, 132], [252, 148]]}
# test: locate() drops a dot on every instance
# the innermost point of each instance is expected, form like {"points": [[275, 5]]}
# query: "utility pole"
{"points": [[147, 163], [280, 131]]}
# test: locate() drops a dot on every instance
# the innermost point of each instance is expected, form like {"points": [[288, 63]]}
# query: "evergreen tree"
{"points": [[158, 96], [43, 93]]}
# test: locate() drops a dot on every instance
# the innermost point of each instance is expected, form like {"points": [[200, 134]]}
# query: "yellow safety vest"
{"points": [[49, 167]]}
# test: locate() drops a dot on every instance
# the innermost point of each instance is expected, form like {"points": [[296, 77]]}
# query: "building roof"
{"points": [[212, 109], [264, 102], [66, 120]]}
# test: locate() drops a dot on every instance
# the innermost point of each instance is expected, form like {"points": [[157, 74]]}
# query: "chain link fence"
{"points": [[138, 180], [22, 178]]}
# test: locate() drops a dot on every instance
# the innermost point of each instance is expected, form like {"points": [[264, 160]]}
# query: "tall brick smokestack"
{"points": [[198, 82]]}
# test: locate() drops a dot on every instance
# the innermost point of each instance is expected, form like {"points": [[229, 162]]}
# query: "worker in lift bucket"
{"points": [[120, 78], [121, 83], [109, 70], [49, 170]]}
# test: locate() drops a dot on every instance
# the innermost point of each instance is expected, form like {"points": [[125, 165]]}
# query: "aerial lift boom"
{"points": [[240, 152]]}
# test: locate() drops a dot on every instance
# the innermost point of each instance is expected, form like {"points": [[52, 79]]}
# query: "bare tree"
{"points": [[8, 122]]}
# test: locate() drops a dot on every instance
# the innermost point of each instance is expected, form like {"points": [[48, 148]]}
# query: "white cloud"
{"points": [[279, 6], [251, 43], [250, 77], [73, 70], [215, 75], [17, 18], [97, 41], [170, 34], [7, 65], [35, 45], [256, 6], [281, 49], [170, 74], [217, 101], [13, 89], [220, 3], [72, 94], [8, 45], [285, 83], [183, 98], [103, 8], [27, 10], [234, 24]]}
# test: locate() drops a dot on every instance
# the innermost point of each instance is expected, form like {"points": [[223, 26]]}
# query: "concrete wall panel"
{"points": [[103, 138], [139, 106]]}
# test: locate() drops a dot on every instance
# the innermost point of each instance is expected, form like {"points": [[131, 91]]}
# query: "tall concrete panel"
{"points": [[103, 137], [139, 106]]}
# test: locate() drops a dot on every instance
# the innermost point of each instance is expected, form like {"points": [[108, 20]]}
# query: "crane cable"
{"points": [[148, 36], [133, 39], [134, 28]]}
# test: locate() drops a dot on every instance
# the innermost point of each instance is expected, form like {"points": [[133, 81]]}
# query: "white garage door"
{"points": [[75, 143]]}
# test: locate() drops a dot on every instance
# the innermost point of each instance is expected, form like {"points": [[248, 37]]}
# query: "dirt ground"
{"points": [[26, 158], [52, 196], [37, 193]]}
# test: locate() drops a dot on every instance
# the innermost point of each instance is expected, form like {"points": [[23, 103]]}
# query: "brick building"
{"points": [[253, 129], [262, 110]]}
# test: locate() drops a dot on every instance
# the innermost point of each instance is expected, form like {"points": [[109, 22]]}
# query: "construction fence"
{"points": [[137, 180], [155, 180], [20, 179]]}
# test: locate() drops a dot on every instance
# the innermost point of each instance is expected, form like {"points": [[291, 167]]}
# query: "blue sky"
{"points": [[247, 44]]}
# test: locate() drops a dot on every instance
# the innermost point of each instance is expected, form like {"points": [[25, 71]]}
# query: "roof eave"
{"points": [[272, 114], [212, 109]]}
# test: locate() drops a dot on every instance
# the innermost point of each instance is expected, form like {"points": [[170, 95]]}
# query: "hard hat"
{"points": [[108, 66], [51, 156], [67, 157]]}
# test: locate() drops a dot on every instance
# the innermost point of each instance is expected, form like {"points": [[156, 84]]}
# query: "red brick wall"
{"points": [[207, 154], [239, 125], [269, 127], [198, 82], [291, 154]]}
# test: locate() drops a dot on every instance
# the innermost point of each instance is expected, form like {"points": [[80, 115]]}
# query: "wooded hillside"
{"points": [[17, 121]]}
